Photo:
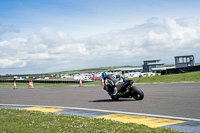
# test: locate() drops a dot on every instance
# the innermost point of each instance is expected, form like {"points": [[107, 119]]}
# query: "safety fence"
{"points": [[44, 81], [183, 69]]}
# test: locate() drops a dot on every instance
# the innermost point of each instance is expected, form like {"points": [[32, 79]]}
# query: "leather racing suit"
{"points": [[116, 83]]}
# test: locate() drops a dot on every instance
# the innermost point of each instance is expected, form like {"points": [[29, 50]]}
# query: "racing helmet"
{"points": [[104, 74]]}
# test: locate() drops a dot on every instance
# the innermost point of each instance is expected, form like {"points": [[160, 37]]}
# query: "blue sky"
{"points": [[63, 31], [87, 17]]}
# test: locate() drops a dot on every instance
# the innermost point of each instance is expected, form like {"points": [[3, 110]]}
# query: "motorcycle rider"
{"points": [[120, 78], [115, 82]]}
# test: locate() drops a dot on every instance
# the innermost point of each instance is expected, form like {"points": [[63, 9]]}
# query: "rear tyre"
{"points": [[136, 93]]}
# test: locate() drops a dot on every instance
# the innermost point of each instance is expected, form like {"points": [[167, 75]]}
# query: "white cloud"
{"points": [[6, 63], [48, 37], [8, 28], [50, 50]]}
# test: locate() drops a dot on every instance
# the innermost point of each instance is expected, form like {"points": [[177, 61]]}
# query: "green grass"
{"points": [[170, 78], [181, 77], [22, 121]]}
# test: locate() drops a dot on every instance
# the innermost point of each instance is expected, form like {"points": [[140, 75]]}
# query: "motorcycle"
{"points": [[126, 90]]}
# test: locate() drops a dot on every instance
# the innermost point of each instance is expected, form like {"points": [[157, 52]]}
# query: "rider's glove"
{"points": [[111, 95]]}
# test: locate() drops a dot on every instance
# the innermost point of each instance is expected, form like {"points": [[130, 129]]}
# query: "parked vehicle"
{"points": [[94, 77], [143, 75], [132, 75]]}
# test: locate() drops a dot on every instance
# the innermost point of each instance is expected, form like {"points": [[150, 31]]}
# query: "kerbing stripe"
{"points": [[44, 109], [145, 120], [111, 111]]}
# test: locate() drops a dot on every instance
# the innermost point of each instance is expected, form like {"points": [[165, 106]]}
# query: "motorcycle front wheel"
{"points": [[115, 98], [136, 93]]}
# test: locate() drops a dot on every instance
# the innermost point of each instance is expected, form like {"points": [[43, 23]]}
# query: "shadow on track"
{"points": [[110, 100]]}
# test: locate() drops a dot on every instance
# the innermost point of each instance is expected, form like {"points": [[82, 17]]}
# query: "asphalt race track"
{"points": [[173, 99]]}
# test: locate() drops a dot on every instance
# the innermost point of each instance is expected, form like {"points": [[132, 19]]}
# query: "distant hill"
{"points": [[100, 69]]}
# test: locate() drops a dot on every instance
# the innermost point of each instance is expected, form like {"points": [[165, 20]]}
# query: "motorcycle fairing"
{"points": [[126, 84]]}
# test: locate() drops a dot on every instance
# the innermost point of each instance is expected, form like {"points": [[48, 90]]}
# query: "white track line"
{"points": [[111, 111]]}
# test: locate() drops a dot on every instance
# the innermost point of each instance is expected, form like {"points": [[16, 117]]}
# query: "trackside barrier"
{"points": [[182, 69], [44, 81]]}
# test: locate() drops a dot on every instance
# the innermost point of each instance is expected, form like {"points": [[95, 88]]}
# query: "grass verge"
{"points": [[169, 78], [22, 121]]}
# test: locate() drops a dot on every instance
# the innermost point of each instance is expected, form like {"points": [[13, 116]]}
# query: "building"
{"points": [[149, 64], [162, 70], [184, 61], [183, 64]]}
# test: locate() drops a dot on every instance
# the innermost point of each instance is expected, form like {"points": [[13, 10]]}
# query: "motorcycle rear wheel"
{"points": [[136, 93]]}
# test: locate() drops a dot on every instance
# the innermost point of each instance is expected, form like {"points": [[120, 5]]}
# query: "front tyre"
{"points": [[115, 98], [136, 93]]}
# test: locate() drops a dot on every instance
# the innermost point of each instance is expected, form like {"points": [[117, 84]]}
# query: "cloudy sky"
{"points": [[39, 36]]}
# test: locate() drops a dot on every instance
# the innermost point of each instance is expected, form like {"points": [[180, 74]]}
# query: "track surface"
{"points": [[175, 99]]}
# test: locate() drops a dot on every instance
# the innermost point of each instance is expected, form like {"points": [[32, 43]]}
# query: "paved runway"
{"points": [[174, 99]]}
